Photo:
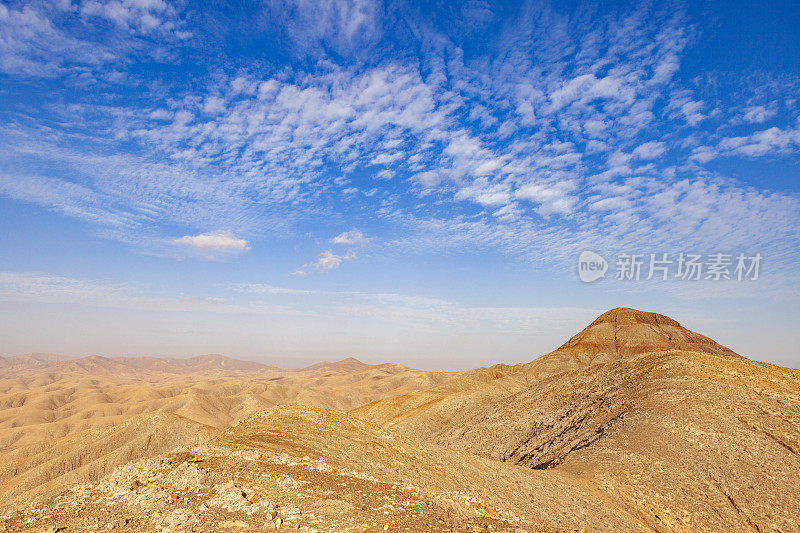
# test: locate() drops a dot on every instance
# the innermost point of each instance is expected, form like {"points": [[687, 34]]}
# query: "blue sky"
{"points": [[291, 181]]}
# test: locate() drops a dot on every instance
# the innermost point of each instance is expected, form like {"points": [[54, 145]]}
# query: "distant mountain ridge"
{"points": [[214, 363], [30, 359], [619, 332]]}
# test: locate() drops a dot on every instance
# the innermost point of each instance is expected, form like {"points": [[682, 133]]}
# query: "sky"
{"points": [[290, 181]]}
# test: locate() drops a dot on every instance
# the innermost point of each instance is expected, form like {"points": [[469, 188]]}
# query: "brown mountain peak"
{"points": [[626, 315], [622, 332]]}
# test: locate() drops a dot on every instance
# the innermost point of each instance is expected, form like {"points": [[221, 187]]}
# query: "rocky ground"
{"points": [[229, 485], [184, 492]]}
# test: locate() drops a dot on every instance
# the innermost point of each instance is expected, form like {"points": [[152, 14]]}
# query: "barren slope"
{"points": [[78, 422], [686, 441], [616, 334], [322, 470], [350, 364]]}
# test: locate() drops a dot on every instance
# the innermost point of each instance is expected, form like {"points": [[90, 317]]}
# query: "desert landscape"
{"points": [[368, 266], [634, 424]]}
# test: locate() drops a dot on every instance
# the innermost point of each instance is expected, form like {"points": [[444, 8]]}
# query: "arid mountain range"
{"points": [[634, 424], [34, 362]]}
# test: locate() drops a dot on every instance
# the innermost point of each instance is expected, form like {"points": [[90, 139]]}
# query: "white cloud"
{"points": [[683, 105], [143, 16], [429, 178], [484, 192], [387, 158], [610, 204], [44, 39], [48, 288], [261, 288], [758, 114], [213, 105], [595, 128], [221, 241], [552, 199], [351, 237], [344, 25], [650, 150], [274, 137], [327, 261], [703, 154], [771, 141], [586, 88], [258, 288], [31, 44]]}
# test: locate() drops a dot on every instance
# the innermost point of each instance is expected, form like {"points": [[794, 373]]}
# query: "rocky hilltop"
{"points": [[616, 334], [623, 332]]}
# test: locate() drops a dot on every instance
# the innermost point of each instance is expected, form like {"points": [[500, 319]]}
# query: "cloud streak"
{"points": [[221, 241]]}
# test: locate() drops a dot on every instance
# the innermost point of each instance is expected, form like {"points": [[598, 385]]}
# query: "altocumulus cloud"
{"points": [[327, 261], [351, 237], [221, 241]]}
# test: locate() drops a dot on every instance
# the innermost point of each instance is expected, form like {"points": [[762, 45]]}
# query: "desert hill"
{"points": [[686, 441], [623, 332], [618, 333], [351, 364], [659, 453], [638, 407]]}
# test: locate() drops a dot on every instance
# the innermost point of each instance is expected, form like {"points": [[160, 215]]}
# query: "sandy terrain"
{"points": [[75, 420]]}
